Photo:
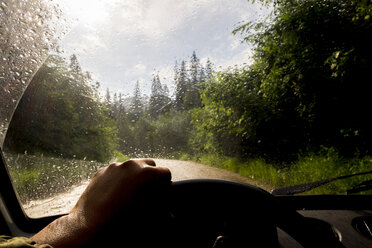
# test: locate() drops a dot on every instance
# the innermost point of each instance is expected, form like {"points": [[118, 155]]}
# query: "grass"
{"points": [[120, 157], [310, 168], [38, 176]]}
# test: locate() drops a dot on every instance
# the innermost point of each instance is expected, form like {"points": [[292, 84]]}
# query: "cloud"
{"points": [[125, 40], [152, 19], [87, 43], [158, 19], [139, 69]]}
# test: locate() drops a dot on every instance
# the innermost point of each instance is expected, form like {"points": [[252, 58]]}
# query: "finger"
{"points": [[149, 161], [164, 174], [145, 161], [159, 174]]}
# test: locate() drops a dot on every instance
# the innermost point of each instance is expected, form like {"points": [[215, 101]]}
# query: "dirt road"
{"points": [[64, 202]]}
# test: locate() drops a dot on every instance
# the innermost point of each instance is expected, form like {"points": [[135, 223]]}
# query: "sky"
{"points": [[122, 41]]}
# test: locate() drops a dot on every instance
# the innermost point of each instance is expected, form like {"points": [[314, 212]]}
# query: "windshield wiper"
{"points": [[300, 188], [364, 186]]}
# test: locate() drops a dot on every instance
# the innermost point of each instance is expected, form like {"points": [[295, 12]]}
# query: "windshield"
{"points": [[270, 93]]}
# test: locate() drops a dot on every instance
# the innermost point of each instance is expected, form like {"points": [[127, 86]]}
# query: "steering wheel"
{"points": [[222, 213], [217, 213]]}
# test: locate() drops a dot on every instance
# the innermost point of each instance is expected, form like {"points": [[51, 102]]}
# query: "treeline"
{"points": [[161, 125], [61, 114], [309, 87]]}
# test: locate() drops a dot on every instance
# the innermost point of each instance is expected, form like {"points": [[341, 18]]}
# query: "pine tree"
{"points": [[192, 94], [136, 106], [181, 82], [108, 98], [156, 87], [202, 75], [75, 65], [121, 105], [209, 69], [115, 106], [194, 69], [159, 99]]}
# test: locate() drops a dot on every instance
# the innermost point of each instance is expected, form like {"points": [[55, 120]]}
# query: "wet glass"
{"points": [[85, 83]]}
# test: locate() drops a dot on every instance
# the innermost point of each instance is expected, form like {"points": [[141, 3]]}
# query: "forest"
{"points": [[308, 89]]}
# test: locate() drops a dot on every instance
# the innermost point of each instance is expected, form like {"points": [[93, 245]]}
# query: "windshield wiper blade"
{"points": [[300, 188], [364, 186]]}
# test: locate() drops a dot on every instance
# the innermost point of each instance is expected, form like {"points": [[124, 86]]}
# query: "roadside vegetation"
{"points": [[314, 167], [299, 112], [37, 176]]}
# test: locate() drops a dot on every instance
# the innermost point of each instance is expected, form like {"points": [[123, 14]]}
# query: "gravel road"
{"points": [[64, 202]]}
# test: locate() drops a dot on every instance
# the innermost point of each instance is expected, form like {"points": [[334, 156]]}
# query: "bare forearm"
{"points": [[113, 191], [66, 231]]}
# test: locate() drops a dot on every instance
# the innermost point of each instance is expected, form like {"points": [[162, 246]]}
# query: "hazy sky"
{"points": [[122, 41]]}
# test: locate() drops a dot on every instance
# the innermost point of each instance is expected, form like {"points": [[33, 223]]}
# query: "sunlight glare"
{"points": [[89, 12]]}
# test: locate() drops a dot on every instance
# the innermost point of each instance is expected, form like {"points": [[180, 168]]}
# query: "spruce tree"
{"points": [[192, 94], [159, 99], [181, 82], [136, 106], [208, 69]]}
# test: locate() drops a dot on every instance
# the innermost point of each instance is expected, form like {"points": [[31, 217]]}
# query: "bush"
{"points": [[323, 165]]}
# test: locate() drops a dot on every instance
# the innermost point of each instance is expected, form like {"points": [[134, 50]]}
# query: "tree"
{"points": [[309, 76], [159, 100], [136, 108], [208, 69], [194, 68], [172, 133], [121, 106], [181, 85], [108, 98], [232, 111], [192, 94], [75, 65], [187, 81], [23, 54], [60, 114]]}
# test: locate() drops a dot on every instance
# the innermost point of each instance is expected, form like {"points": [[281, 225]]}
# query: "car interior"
{"points": [[79, 90]]}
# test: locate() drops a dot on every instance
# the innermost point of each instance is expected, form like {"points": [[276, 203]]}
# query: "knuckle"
{"points": [[129, 163], [112, 165], [98, 172], [148, 172]]}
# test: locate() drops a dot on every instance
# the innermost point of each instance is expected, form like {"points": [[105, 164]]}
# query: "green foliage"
{"points": [[159, 137], [160, 102], [172, 132], [161, 126], [232, 110], [188, 79], [61, 114], [38, 176], [308, 85], [306, 89], [327, 164], [314, 167], [319, 80], [136, 108], [120, 157]]}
